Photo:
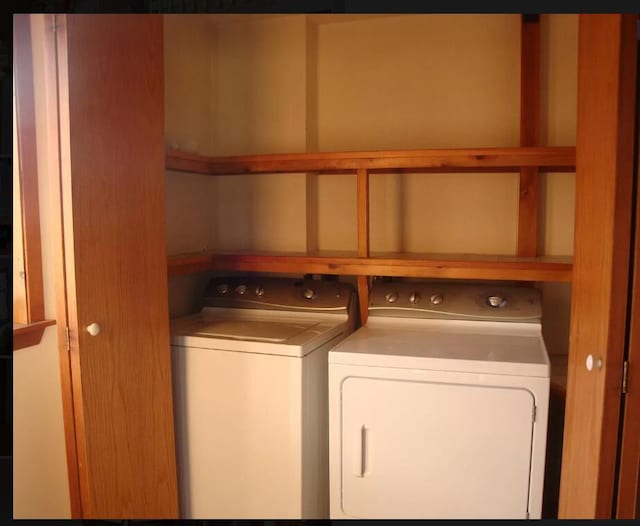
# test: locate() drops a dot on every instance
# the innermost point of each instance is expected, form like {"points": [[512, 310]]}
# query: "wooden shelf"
{"points": [[458, 266], [362, 263], [556, 159], [29, 334]]}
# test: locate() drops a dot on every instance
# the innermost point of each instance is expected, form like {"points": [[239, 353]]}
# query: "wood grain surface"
{"points": [[604, 173], [112, 158]]}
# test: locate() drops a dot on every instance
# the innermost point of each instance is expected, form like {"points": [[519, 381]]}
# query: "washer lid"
{"points": [[447, 345], [257, 331]]}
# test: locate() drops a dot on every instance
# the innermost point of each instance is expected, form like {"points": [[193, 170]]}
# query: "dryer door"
{"points": [[415, 449]]}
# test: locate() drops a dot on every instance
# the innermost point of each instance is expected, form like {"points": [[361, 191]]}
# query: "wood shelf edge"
{"points": [[500, 268], [29, 334], [470, 160]]}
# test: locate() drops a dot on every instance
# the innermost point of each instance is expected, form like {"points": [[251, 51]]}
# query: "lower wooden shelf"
{"points": [[455, 266], [29, 334]]}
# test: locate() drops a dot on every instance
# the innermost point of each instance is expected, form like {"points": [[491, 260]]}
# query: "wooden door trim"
{"points": [[52, 24], [28, 169], [604, 167], [628, 497]]}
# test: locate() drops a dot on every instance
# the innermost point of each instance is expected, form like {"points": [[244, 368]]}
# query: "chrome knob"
{"points": [[241, 289], [223, 288], [309, 294], [414, 297], [259, 291], [391, 297], [496, 301], [436, 299], [592, 362], [93, 329]]}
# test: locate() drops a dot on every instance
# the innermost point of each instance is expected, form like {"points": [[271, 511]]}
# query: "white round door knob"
{"points": [[592, 362], [93, 329]]}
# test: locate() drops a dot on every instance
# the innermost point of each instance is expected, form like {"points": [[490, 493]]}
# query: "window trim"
{"points": [[30, 331]]}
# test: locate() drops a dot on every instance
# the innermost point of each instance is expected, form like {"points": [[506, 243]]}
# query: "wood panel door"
{"points": [[111, 128], [604, 175]]}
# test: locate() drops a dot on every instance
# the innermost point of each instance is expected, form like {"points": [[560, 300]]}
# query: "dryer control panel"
{"points": [[446, 300]]}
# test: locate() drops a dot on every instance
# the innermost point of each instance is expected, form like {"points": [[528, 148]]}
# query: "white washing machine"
{"points": [[250, 395], [438, 406]]}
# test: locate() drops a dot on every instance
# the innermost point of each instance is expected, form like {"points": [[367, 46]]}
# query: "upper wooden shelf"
{"points": [[556, 159], [458, 266]]}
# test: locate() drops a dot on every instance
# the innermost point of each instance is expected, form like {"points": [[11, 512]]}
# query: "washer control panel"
{"points": [[278, 293], [446, 300]]}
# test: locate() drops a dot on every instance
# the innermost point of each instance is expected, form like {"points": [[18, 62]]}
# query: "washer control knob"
{"points": [[496, 302], [241, 289], [259, 291], [223, 288], [391, 297], [309, 294], [436, 299], [414, 297]]}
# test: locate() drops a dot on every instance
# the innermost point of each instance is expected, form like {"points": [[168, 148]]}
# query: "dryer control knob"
{"points": [[309, 294], [414, 297], [223, 288], [259, 291], [241, 289], [496, 301], [391, 297], [436, 299]]}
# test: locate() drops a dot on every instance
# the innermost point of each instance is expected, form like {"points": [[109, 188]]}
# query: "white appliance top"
{"points": [[257, 331], [446, 345], [492, 329], [276, 316]]}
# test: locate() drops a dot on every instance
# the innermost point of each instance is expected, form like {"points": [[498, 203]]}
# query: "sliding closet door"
{"points": [[604, 174], [111, 102]]}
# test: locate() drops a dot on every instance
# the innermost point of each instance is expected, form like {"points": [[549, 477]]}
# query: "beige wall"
{"points": [[40, 483], [295, 83]]}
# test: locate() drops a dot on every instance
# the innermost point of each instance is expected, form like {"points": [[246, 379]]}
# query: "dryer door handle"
{"points": [[363, 451]]}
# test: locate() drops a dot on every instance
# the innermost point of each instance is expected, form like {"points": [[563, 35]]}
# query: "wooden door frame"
{"points": [[604, 172], [628, 494]]}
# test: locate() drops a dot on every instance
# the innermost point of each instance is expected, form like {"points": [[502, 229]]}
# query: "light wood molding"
{"points": [[557, 159], [604, 174], [57, 256]]}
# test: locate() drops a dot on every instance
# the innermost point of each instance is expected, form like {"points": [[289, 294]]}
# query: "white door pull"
{"points": [[592, 362], [93, 329]]}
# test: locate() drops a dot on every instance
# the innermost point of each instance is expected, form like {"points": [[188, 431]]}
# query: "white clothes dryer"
{"points": [[438, 406], [250, 397]]}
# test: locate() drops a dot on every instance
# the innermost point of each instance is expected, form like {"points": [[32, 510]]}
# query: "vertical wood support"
{"points": [[529, 133], [363, 239], [604, 174], [28, 167]]}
